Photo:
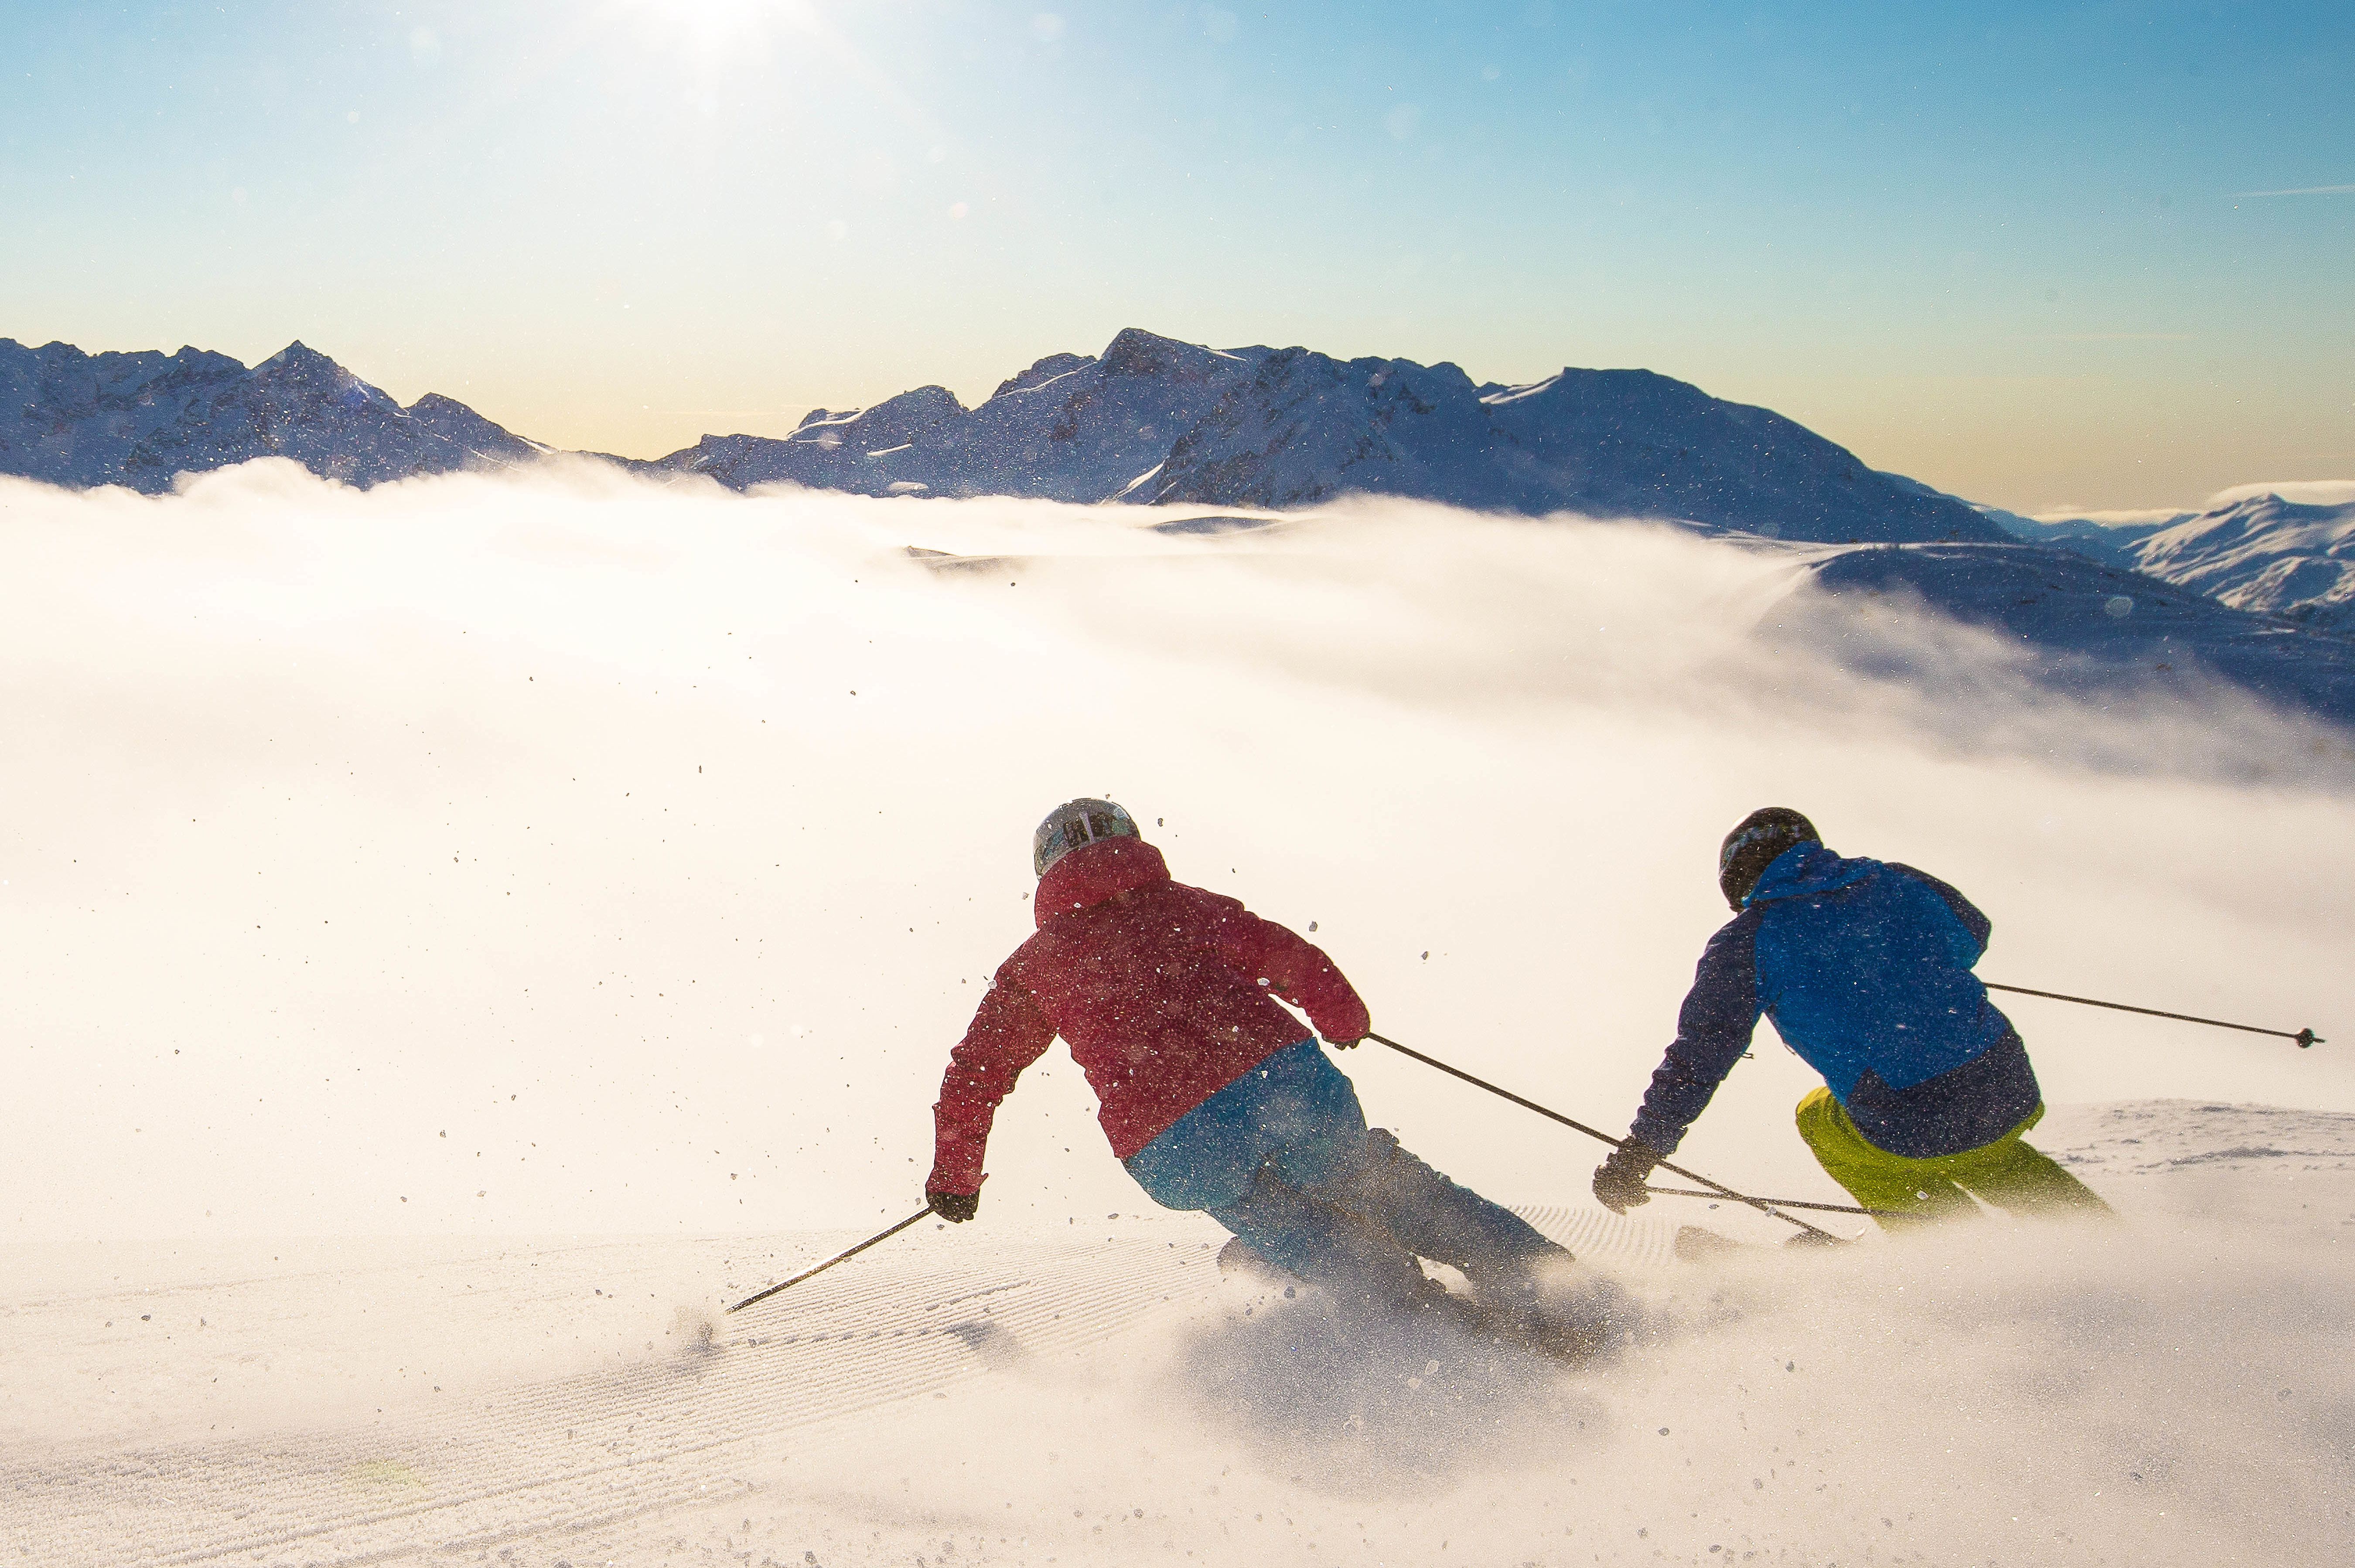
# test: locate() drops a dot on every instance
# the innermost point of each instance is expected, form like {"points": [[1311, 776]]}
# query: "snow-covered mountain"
{"points": [[1071, 428], [1148, 419], [77, 419], [2267, 553], [2278, 549], [1151, 419], [2107, 536], [1306, 428], [2088, 628]]}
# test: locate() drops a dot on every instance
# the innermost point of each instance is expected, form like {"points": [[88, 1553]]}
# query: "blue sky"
{"points": [[2008, 249]]}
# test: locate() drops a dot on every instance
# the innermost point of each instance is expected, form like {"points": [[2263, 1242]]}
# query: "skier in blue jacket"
{"points": [[1864, 969]]}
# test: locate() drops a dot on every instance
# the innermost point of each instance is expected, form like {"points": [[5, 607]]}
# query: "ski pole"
{"points": [[1715, 1189], [838, 1257], [2305, 1037], [1784, 1203]]}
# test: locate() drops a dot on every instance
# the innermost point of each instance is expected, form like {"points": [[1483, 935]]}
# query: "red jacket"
{"points": [[1161, 990]]}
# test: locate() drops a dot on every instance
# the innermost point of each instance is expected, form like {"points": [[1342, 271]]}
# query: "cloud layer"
{"points": [[576, 856]]}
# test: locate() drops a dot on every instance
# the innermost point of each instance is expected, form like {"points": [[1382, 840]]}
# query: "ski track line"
{"points": [[594, 1448], [1597, 1233], [599, 1447]]}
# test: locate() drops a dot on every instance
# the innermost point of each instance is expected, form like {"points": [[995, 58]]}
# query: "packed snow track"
{"points": [[573, 1451]]}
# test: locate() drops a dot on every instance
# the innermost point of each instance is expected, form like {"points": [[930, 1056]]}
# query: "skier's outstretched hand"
{"points": [[956, 1208], [1350, 1044], [1619, 1180]]}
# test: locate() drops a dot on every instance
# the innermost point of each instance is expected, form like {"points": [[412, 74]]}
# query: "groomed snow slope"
{"points": [[2169, 1389]]}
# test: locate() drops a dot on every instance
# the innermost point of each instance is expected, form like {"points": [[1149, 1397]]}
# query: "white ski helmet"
{"points": [[1074, 823]]}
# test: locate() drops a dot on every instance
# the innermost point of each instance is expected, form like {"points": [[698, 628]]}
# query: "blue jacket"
{"points": [[1866, 970]]}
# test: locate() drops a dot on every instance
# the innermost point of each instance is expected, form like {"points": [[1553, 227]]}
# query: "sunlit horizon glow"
{"points": [[2032, 259]]}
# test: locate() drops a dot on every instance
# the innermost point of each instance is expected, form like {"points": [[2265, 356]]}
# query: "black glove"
{"points": [[956, 1208], [1619, 1180], [1350, 1044]]}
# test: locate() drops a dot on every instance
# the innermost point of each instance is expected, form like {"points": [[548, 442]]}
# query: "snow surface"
{"points": [[470, 928], [2170, 1388], [1515, 394]]}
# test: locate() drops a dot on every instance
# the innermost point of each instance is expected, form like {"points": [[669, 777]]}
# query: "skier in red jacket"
{"points": [[1213, 1095]]}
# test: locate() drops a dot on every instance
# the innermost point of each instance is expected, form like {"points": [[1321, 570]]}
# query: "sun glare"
{"points": [[708, 24]]}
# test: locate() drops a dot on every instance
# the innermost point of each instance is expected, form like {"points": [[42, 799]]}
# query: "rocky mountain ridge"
{"points": [[1149, 421], [1152, 421], [140, 420]]}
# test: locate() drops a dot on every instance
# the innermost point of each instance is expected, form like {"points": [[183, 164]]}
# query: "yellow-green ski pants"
{"points": [[2006, 1173]]}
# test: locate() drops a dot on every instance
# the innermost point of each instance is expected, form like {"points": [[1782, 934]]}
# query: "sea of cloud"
{"points": [[476, 856]]}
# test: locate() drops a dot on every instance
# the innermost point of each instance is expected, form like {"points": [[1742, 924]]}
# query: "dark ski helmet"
{"points": [[1754, 844], [1074, 823]]}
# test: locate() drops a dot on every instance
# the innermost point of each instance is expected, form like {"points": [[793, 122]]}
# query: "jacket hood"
{"points": [[1094, 872], [1807, 869]]}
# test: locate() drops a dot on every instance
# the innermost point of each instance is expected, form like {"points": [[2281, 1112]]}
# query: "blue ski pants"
{"points": [[1282, 1158]]}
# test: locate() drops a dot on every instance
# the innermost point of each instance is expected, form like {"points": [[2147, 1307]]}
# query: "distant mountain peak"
{"points": [[298, 355], [1136, 352], [2276, 550], [1053, 368], [1152, 419], [303, 370], [1149, 419], [141, 420]]}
